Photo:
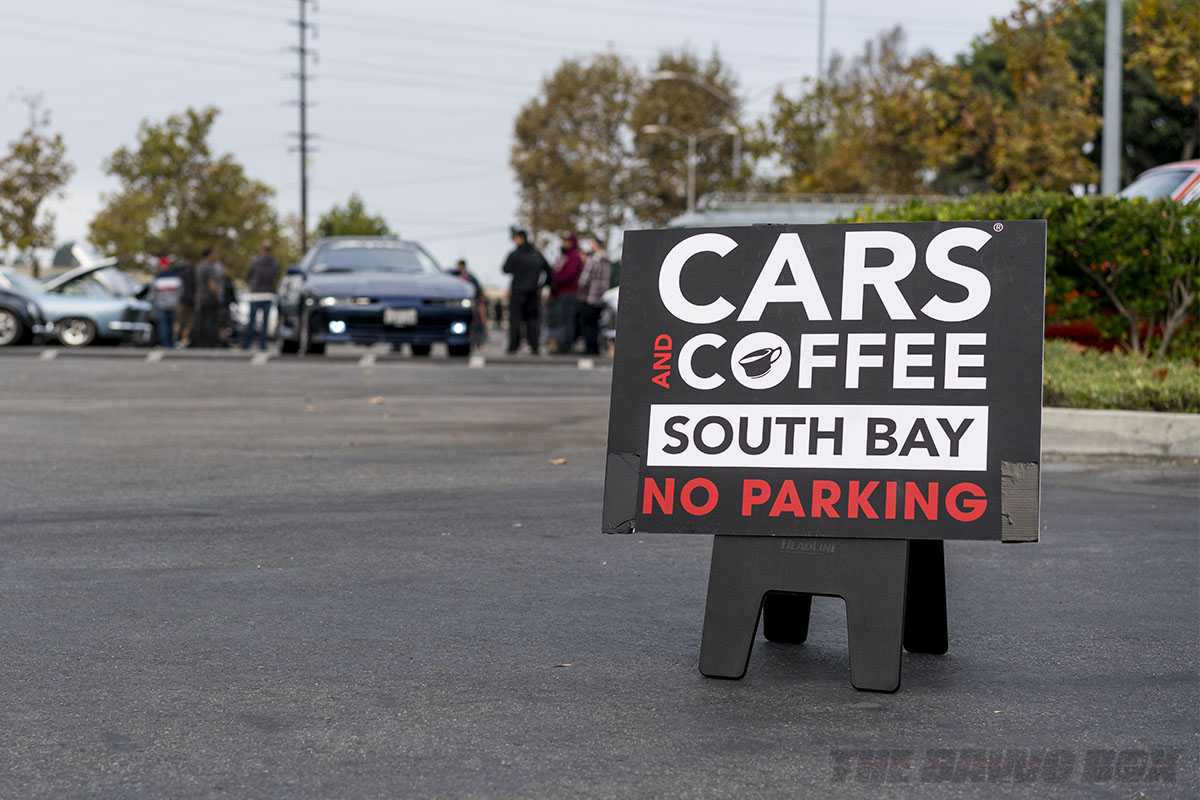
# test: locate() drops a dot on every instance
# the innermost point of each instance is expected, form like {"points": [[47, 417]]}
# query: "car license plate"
{"points": [[400, 317]]}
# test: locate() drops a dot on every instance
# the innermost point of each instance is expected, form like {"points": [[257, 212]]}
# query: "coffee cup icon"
{"points": [[757, 363]]}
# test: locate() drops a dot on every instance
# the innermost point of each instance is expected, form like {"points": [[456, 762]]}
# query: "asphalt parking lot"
{"points": [[325, 580]]}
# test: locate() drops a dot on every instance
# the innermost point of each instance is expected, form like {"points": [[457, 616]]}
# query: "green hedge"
{"points": [[1076, 377], [1130, 267]]}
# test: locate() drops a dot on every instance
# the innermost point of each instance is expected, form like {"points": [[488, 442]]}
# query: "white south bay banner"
{"points": [[902, 437]]}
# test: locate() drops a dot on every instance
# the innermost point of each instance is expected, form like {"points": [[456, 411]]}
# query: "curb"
{"points": [[1096, 432]]}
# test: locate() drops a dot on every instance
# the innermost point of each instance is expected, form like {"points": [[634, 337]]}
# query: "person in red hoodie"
{"points": [[564, 303]]}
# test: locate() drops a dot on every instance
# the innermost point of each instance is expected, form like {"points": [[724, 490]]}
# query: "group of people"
{"points": [[577, 283], [191, 301]]}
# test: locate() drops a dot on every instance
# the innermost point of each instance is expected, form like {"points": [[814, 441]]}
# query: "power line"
{"points": [[383, 148]]}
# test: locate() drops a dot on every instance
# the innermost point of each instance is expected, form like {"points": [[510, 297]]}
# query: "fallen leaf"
{"points": [[377, 400], [558, 462]]}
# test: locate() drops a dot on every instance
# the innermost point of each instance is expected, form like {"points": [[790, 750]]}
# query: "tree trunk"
{"points": [[1175, 317]]}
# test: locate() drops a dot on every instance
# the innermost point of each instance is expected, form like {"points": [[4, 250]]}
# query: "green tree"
{"points": [[1041, 132], [352, 219], [571, 146], [34, 170], [1167, 35], [1157, 126], [863, 128], [177, 196], [686, 97]]}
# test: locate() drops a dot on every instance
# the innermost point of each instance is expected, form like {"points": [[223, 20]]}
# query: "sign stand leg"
{"points": [[778, 576], [925, 625]]}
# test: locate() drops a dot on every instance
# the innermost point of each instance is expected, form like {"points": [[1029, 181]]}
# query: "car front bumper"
{"points": [[364, 325], [135, 331]]}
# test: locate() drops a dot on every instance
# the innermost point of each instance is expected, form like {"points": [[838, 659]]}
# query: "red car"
{"points": [[1179, 181]]}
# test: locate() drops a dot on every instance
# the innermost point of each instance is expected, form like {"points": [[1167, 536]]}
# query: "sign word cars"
{"points": [[878, 380]]}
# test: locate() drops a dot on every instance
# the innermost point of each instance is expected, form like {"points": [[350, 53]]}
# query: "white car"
{"points": [[608, 317]]}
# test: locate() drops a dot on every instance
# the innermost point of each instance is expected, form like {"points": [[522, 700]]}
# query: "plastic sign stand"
{"points": [[894, 590], [831, 403]]}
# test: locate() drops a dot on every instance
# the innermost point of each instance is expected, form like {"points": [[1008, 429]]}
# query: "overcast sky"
{"points": [[415, 101]]}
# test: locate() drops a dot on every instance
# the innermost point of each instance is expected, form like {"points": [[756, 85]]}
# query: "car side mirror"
{"points": [[294, 270]]}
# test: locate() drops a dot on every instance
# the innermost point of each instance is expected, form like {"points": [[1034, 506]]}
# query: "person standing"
{"points": [[479, 318], [187, 301], [530, 272], [593, 283], [564, 288], [263, 278], [210, 291], [166, 291]]}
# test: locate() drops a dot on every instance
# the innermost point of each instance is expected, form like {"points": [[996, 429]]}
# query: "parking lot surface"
{"points": [[324, 580]]}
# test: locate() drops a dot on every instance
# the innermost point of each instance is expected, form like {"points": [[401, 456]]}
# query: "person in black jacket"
{"points": [[264, 276], [530, 272]]}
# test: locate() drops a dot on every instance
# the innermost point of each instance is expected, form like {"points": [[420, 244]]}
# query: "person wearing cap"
{"points": [[530, 272], [165, 292]]}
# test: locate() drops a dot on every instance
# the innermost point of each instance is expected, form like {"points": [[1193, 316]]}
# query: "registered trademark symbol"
{"points": [[999, 226]]}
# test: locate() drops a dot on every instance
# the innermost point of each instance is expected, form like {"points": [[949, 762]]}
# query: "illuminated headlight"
{"points": [[465, 302], [345, 301], [337, 326], [458, 328]]}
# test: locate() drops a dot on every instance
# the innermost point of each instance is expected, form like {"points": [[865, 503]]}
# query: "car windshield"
{"points": [[395, 257], [1153, 185], [86, 286], [19, 282]]}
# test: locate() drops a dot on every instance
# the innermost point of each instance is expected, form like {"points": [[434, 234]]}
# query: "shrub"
{"points": [[1076, 377], [1130, 267]]}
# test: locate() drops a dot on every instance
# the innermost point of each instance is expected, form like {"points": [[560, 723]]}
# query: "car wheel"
{"points": [[421, 350], [459, 350], [76, 332], [289, 347], [305, 346], [12, 331]]}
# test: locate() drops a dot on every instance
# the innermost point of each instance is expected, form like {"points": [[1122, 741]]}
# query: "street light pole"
{"points": [[821, 40], [691, 173], [1110, 156], [693, 139]]}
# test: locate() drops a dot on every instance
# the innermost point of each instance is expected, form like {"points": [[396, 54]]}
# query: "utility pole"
{"points": [[1110, 155], [821, 40], [304, 136]]}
